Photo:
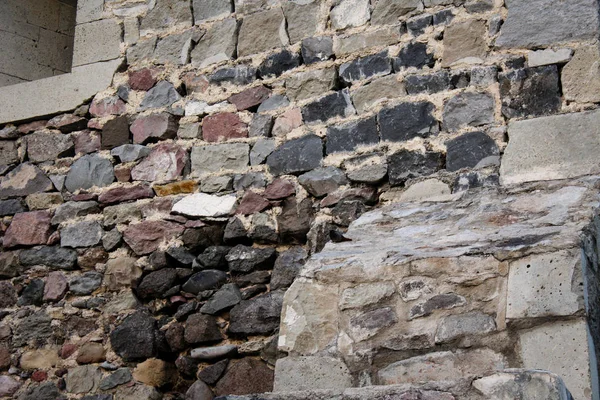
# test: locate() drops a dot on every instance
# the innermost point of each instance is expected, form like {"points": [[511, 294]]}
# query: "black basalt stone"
{"points": [[135, 338], [406, 164], [468, 150], [350, 135], [278, 63], [296, 156], [407, 121]]}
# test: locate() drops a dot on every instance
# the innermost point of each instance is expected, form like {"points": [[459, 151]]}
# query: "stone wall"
{"points": [[149, 234], [37, 39]]}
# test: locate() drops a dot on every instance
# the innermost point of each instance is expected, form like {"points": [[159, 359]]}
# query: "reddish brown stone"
{"points": [[91, 353], [68, 123], [91, 257], [142, 79], [115, 133], [126, 193], [54, 238], [87, 142], [160, 205], [250, 97], [195, 83], [223, 126], [154, 126], [67, 350], [279, 189], [39, 376], [175, 188], [252, 203], [103, 107], [56, 286], [28, 229], [122, 173], [145, 237], [4, 358], [84, 197], [246, 376], [32, 126], [366, 194], [96, 123], [194, 224], [164, 163]]}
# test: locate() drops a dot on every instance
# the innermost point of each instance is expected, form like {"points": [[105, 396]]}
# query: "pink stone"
{"points": [[8, 386], [126, 193], [223, 126], [368, 194], [154, 126], [39, 376], [84, 197], [252, 203], [279, 189], [142, 79], [103, 107], [164, 163], [68, 123], [96, 123], [287, 122], [250, 97], [56, 286], [67, 350], [195, 83], [32, 126], [87, 142], [145, 237], [122, 173], [194, 224], [28, 229]]}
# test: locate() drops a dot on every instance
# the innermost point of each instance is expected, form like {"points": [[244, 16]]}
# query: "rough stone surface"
{"points": [[530, 92], [259, 315], [330, 106], [321, 181], [581, 76], [310, 84], [45, 146], [163, 94], [81, 234], [407, 121], [379, 90], [464, 42], [214, 158], [205, 205], [25, 179], [310, 373], [218, 44], [246, 376], [145, 237], [89, 171], [151, 127], [135, 337], [164, 163], [349, 136], [316, 49], [262, 31], [350, 13], [296, 155], [468, 150], [223, 126]]}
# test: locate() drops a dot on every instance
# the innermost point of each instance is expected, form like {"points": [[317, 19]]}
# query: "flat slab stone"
{"points": [[310, 373], [205, 205], [550, 148]]}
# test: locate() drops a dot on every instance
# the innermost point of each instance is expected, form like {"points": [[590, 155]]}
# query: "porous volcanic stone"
{"points": [[332, 105], [316, 49], [73, 209], [86, 283], [214, 158], [218, 44], [406, 164], [287, 267], [258, 316], [164, 163], [228, 296], [431, 83], [297, 155], [469, 109], [204, 280], [322, 181], [407, 121], [153, 127], [249, 98], [465, 41], [42, 146], [365, 67], [278, 63], [262, 31], [348, 136], [135, 338], [81, 234], [24, 180], [146, 236], [201, 328], [115, 133], [468, 150], [245, 259], [162, 95], [27, 229], [54, 257], [245, 377], [223, 126]]}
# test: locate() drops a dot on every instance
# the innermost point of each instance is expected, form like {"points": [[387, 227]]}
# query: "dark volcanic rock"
{"points": [[25, 179], [8, 294], [33, 294], [278, 63], [201, 328], [246, 376], [35, 327], [413, 55], [157, 283], [287, 267], [316, 49], [258, 316], [44, 391], [135, 338], [204, 280], [432, 83], [365, 67], [295, 219], [214, 257], [406, 164], [297, 155], [54, 257], [346, 137], [336, 104], [212, 373], [245, 259], [407, 121], [228, 296], [468, 150]]}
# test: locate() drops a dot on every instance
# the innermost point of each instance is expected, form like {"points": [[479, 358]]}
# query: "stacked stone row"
{"points": [[149, 235]]}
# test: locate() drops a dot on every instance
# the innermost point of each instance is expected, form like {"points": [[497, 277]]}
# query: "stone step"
{"points": [[508, 384], [446, 291]]}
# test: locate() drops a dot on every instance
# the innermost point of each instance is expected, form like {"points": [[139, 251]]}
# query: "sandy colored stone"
{"points": [[155, 372], [581, 76], [40, 359], [465, 42]]}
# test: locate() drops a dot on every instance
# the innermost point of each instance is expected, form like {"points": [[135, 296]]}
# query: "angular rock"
{"points": [[164, 163], [295, 219], [146, 236], [89, 171], [36, 327], [9, 386], [215, 184], [166, 14], [297, 155], [468, 150], [205, 205], [304, 85], [74, 209], [261, 150], [279, 189], [51, 256], [388, 12], [407, 121], [311, 373], [27, 229], [301, 19], [130, 152], [350, 13], [204, 280], [239, 75], [86, 283], [465, 42], [316, 49], [212, 373], [43, 201], [142, 79], [56, 286], [105, 106], [11, 207], [321, 181], [249, 98], [24, 180], [199, 391], [154, 127], [329, 106], [126, 193], [438, 302], [581, 76], [377, 91], [246, 376], [223, 126], [287, 122], [81, 234], [530, 92], [42, 146], [365, 40], [201, 329], [287, 267], [365, 67], [120, 377], [538, 58], [368, 168], [8, 294], [258, 316], [433, 83], [135, 338], [553, 23], [228, 296], [67, 123], [32, 294], [348, 136], [252, 203], [83, 379], [262, 31], [214, 158], [429, 190], [218, 44], [163, 94], [210, 9], [44, 391], [115, 133], [406, 164], [416, 26], [245, 259], [278, 63], [468, 109], [455, 326], [175, 49], [157, 283]]}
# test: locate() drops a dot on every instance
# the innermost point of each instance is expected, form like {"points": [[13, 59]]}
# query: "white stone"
{"points": [[205, 205], [310, 373], [548, 56], [562, 348], [55, 94], [510, 384], [88, 49], [542, 286], [349, 13], [556, 147], [429, 190], [195, 107]]}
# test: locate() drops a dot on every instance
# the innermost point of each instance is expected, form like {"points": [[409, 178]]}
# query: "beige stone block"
{"points": [[465, 42], [97, 41], [429, 190], [555, 147], [262, 31], [310, 373], [581, 76], [89, 10], [40, 359], [366, 40], [561, 348], [376, 92]]}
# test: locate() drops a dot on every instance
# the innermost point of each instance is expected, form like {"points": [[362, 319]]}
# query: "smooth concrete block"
{"points": [[310, 373], [561, 348], [543, 285], [97, 41], [56, 94], [556, 147]]}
